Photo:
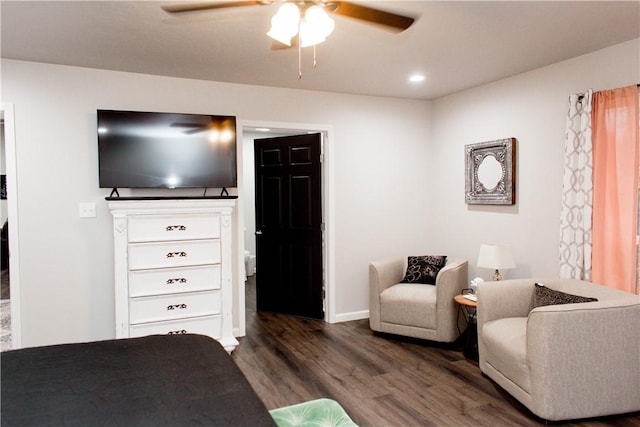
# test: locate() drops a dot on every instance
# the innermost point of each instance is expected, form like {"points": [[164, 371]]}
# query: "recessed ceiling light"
{"points": [[417, 78]]}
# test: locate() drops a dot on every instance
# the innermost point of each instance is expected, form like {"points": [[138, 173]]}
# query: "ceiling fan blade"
{"points": [[376, 16], [194, 131], [187, 125], [193, 7], [276, 45]]}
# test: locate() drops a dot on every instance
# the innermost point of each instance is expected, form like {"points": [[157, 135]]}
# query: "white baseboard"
{"points": [[354, 315]]}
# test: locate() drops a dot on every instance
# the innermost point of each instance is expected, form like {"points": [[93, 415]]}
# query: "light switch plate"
{"points": [[87, 210]]}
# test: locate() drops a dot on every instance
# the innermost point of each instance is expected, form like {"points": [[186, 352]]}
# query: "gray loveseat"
{"points": [[562, 361]]}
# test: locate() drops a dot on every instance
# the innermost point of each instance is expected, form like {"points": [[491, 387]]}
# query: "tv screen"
{"points": [[166, 150]]}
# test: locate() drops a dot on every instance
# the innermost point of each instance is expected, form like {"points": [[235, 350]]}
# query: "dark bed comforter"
{"points": [[174, 380]]}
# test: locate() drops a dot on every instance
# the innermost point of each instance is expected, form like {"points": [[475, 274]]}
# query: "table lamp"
{"points": [[495, 257]]}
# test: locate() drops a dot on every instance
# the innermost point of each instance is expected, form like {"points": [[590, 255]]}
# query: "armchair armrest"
{"points": [[575, 349], [386, 272], [382, 274], [451, 280]]}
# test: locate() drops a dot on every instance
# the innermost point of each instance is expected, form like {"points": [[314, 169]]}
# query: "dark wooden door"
{"points": [[289, 225]]}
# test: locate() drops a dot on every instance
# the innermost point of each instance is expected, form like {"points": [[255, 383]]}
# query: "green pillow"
{"points": [[319, 412]]}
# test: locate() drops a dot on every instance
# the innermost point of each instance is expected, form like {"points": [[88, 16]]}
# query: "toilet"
{"points": [[249, 263]]}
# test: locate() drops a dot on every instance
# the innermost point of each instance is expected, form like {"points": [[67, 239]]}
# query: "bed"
{"points": [[157, 380]]}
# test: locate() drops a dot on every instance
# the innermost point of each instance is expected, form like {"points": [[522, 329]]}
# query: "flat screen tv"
{"points": [[166, 150]]}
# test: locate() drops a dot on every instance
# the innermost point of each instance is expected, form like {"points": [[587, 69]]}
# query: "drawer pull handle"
{"points": [[181, 331], [178, 280], [176, 227], [178, 306], [176, 254]]}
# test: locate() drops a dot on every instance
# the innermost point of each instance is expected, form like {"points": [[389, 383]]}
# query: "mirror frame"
{"points": [[504, 193]]}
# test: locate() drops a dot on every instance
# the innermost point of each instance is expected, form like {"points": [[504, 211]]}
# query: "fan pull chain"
{"points": [[299, 57], [315, 61]]}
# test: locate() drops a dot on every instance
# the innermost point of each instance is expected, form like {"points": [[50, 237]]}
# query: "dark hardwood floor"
{"points": [[380, 380], [5, 291]]}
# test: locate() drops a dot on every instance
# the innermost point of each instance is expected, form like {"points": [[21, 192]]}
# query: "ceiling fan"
{"points": [[218, 130], [307, 19], [390, 21]]}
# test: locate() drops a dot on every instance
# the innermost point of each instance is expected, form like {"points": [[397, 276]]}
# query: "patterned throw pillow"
{"points": [[545, 296], [423, 269]]}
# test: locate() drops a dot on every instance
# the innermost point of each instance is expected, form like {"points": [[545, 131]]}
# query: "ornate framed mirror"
{"points": [[490, 172]]}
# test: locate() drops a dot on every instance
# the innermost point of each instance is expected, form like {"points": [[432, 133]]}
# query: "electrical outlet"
{"points": [[87, 210]]}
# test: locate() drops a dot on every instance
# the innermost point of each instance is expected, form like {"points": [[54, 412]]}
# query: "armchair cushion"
{"points": [[506, 340], [423, 269], [409, 304]]}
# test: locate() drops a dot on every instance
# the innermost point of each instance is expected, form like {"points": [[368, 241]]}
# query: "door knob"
{"points": [[258, 232]]}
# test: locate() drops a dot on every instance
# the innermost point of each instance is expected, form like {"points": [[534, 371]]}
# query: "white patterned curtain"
{"points": [[577, 191]]}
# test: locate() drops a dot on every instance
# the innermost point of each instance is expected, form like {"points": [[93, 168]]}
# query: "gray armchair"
{"points": [[415, 310], [562, 361]]}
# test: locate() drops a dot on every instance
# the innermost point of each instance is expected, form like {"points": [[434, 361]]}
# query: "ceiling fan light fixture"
{"points": [[285, 23], [214, 136], [226, 136], [315, 26]]}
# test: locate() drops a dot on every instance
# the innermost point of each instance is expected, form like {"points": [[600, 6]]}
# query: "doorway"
{"points": [[288, 212], [249, 130]]}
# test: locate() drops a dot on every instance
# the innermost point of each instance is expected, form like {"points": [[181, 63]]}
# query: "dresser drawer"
{"points": [[209, 325], [173, 306], [172, 280], [151, 228], [173, 254]]}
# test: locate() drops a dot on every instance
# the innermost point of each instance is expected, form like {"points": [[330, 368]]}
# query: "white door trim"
{"points": [[12, 208]]}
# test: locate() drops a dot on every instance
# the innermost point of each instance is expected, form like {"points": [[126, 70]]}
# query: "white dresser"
{"points": [[173, 267]]}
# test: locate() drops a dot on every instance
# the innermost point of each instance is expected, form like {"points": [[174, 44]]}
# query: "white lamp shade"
{"points": [[496, 257]]}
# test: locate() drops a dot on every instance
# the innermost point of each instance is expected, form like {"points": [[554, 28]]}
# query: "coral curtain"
{"points": [[616, 160], [577, 191]]}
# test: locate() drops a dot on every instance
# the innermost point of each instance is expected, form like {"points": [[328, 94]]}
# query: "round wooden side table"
{"points": [[460, 299], [471, 340]]}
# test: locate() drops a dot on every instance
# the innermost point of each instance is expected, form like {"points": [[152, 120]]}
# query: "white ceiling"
{"points": [[455, 44]]}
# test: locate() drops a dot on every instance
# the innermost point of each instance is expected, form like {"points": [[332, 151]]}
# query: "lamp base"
{"points": [[496, 276]]}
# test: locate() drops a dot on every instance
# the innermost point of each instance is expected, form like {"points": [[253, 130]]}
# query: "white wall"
{"points": [[398, 172], [379, 152], [531, 107]]}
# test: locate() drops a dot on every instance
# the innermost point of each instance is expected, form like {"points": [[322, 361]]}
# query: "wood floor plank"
{"points": [[380, 380]]}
